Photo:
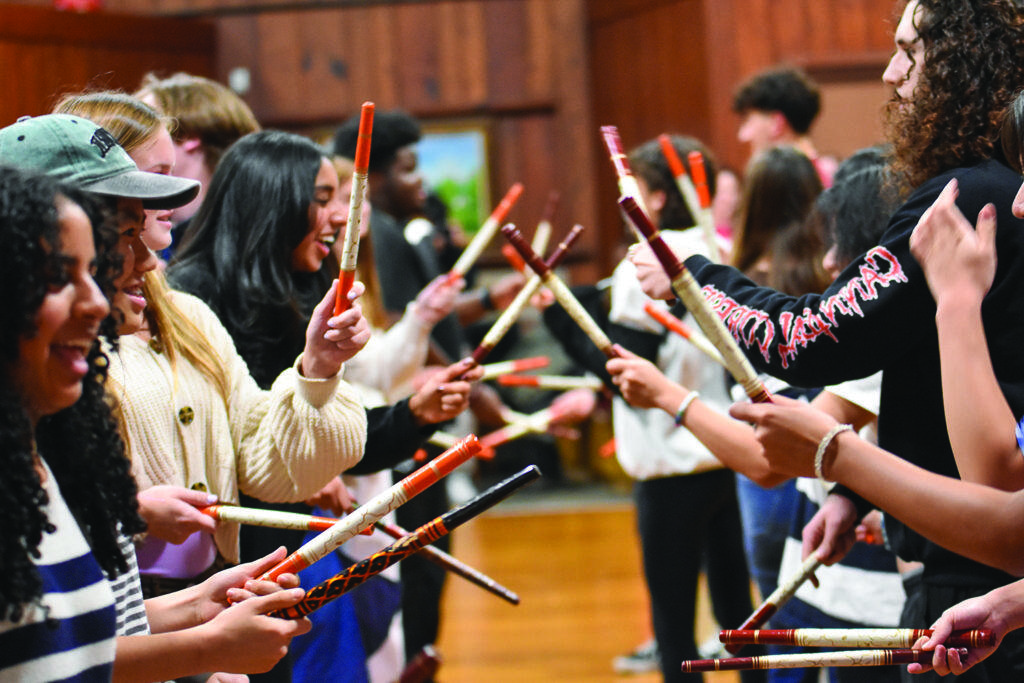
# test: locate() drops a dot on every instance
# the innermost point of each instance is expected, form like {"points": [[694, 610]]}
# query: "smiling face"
{"points": [[52, 363], [156, 155], [328, 213], [129, 299], [904, 69]]}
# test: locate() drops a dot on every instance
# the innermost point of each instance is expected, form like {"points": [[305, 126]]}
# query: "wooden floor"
{"points": [[583, 601]]}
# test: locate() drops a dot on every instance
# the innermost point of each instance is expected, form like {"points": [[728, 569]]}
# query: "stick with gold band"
{"points": [[855, 637]]}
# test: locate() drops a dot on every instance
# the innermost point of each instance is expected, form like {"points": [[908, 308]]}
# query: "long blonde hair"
{"points": [[133, 123]]}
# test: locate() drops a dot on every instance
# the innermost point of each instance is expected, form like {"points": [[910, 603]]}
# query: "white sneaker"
{"points": [[644, 659]]}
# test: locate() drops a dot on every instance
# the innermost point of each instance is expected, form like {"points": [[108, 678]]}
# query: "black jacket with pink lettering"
{"points": [[880, 315]]}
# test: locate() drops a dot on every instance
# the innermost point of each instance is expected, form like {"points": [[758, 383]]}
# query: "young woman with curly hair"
{"points": [[879, 313]]}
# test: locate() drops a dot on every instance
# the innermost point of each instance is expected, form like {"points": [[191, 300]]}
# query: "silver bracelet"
{"points": [[681, 410], [826, 440]]}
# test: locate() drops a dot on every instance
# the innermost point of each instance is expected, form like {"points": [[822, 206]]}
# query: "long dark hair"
{"points": [[81, 443], [1012, 133], [974, 61], [255, 213], [780, 188]]}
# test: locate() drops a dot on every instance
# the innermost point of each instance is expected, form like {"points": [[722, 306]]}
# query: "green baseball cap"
{"points": [[78, 151]]}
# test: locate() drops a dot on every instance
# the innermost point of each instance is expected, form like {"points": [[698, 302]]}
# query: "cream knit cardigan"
{"points": [[281, 445]]}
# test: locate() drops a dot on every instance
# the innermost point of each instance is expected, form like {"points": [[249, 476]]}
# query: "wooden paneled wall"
{"points": [[44, 54], [542, 74]]}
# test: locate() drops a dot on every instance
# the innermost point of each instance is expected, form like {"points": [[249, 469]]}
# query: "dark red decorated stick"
{"points": [[554, 283], [811, 660], [375, 508], [358, 573], [350, 247], [508, 317], [687, 289], [855, 637], [786, 589]]}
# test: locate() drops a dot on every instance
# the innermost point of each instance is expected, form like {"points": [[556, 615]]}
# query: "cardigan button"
{"points": [[186, 415]]}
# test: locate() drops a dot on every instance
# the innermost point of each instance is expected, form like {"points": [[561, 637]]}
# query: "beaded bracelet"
{"points": [[681, 410], [819, 455]]}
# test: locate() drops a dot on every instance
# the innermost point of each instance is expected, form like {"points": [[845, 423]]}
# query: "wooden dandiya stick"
{"points": [[855, 637], [376, 508], [451, 564], [811, 660], [358, 573], [513, 258], [687, 289], [693, 199], [442, 439], [562, 382], [623, 173], [778, 598], [674, 324], [542, 235], [486, 232], [533, 423], [268, 518], [508, 317], [350, 247], [566, 298], [492, 370]]}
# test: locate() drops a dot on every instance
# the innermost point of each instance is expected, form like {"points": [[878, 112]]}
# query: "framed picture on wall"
{"points": [[454, 164]]}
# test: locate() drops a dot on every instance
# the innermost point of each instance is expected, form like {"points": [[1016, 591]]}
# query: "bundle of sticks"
{"points": [[886, 646]]}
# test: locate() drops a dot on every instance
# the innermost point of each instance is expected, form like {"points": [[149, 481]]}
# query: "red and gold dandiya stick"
{"points": [[358, 573], [376, 508], [451, 564], [561, 382], [508, 317], [704, 215], [492, 370], [485, 234], [687, 289], [566, 298], [811, 660], [778, 598], [350, 247], [623, 173], [542, 235], [855, 637], [674, 324]]}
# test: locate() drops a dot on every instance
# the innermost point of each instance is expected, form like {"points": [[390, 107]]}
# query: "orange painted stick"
{"points": [[513, 258], [674, 324], [508, 317], [554, 283], [687, 289], [375, 508], [534, 423], [486, 232], [809, 660], [785, 590], [492, 370], [561, 382], [855, 637], [542, 235], [358, 573], [692, 193], [350, 247]]}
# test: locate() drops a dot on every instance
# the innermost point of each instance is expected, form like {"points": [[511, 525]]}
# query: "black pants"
{"points": [[686, 522]]}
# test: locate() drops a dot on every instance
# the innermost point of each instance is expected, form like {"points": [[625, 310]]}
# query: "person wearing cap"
{"points": [[191, 414]]}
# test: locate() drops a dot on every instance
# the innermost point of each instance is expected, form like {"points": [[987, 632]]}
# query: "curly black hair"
{"points": [[974, 62], [785, 89], [81, 443]]}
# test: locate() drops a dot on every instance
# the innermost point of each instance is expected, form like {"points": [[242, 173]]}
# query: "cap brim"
{"points": [[156, 191]]}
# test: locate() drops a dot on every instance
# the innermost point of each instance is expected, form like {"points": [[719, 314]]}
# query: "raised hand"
{"points": [[172, 512], [332, 340]]}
